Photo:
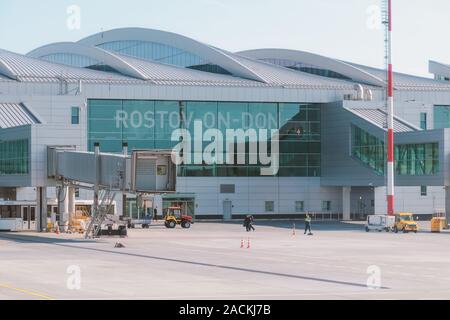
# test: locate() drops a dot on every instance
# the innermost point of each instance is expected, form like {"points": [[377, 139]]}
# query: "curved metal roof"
{"points": [[200, 49], [95, 53], [352, 72], [25, 68], [247, 68], [142, 69], [407, 81], [267, 74], [163, 73], [280, 76]]}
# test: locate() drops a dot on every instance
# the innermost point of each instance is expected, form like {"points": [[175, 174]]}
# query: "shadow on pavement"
{"points": [[27, 238], [300, 224]]}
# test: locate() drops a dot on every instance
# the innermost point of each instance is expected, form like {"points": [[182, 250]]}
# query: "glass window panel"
{"points": [[149, 124], [14, 157], [441, 117], [167, 119]]}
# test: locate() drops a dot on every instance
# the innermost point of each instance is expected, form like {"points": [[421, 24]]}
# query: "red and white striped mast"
{"points": [[390, 110]]}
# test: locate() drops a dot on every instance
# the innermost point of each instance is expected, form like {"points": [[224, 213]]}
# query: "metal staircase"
{"points": [[99, 214]]}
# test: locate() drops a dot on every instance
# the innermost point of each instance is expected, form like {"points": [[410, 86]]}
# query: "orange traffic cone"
{"points": [[242, 243], [248, 243], [57, 229]]}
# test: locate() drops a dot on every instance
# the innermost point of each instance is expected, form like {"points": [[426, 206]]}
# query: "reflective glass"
{"points": [[14, 157], [441, 117], [154, 51], [410, 159], [147, 124]]}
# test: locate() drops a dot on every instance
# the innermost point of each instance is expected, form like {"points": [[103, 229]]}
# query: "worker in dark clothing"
{"points": [[155, 214], [308, 224], [248, 223]]}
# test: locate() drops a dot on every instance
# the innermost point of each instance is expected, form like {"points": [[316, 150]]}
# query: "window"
{"points": [[227, 188], [372, 203], [161, 170], [411, 159], [14, 157], [423, 120], [441, 116], [299, 206], [77, 192], [423, 191], [149, 124], [71, 59], [154, 51], [368, 149], [417, 159], [269, 206], [75, 115], [326, 205]]}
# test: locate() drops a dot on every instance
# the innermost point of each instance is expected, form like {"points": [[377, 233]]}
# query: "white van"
{"points": [[380, 223]]}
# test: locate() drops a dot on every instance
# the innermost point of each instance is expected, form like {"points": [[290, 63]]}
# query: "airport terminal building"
{"points": [[137, 86]]}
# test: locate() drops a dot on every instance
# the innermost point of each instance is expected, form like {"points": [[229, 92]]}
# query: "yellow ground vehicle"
{"points": [[175, 216], [404, 221]]}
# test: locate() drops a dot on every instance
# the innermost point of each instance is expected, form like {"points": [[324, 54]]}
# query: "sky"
{"points": [[342, 29]]}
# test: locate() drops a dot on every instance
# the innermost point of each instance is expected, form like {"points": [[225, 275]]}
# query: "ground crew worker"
{"points": [[308, 224], [248, 223], [155, 214]]}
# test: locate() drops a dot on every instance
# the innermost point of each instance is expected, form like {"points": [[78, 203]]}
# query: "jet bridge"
{"points": [[144, 172]]}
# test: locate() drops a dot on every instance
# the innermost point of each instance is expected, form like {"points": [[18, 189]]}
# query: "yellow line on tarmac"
{"points": [[31, 293]]}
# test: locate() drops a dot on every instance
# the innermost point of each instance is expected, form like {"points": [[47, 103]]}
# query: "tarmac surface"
{"points": [[340, 261]]}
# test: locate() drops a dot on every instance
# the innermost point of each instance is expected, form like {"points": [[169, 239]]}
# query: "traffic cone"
{"points": [[57, 229], [242, 243], [248, 243]]}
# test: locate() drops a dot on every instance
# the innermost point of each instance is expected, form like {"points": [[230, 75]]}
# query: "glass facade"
{"points": [[306, 68], [417, 159], [441, 117], [410, 159], [441, 78], [14, 157], [162, 53], [71, 59], [369, 149], [148, 124], [153, 51]]}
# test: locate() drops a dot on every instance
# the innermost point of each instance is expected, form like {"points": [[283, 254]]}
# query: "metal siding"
{"points": [[146, 174]]}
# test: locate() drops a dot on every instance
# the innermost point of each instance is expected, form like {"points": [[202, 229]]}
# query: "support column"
{"points": [[63, 206], [97, 177], [447, 203], [71, 201], [380, 200], [124, 195], [41, 209], [346, 192], [124, 205]]}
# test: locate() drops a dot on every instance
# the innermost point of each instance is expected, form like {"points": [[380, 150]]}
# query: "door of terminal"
{"points": [[29, 218], [227, 210]]}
